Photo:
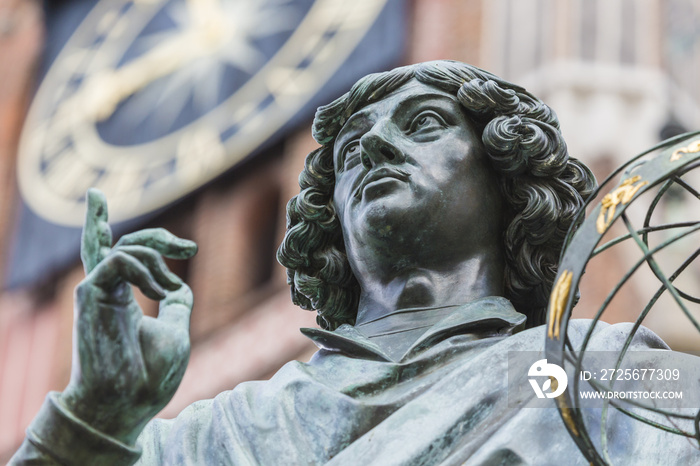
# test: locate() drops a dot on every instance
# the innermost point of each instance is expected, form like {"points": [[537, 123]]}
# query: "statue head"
{"points": [[541, 187]]}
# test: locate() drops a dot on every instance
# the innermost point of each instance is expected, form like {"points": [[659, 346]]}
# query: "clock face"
{"points": [[151, 99]]}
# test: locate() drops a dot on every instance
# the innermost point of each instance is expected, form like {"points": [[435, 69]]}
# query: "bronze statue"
{"points": [[426, 235]]}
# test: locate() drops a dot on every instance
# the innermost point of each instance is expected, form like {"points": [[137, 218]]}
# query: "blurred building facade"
{"points": [[618, 72]]}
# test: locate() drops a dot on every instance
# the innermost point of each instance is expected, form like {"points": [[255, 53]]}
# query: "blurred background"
{"points": [[194, 115]]}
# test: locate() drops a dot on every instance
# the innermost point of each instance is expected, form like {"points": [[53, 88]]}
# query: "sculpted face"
{"points": [[411, 174]]}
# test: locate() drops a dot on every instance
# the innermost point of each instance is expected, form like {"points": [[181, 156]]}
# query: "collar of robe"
{"points": [[490, 316]]}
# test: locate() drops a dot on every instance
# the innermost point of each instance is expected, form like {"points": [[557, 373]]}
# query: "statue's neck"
{"points": [[422, 287]]}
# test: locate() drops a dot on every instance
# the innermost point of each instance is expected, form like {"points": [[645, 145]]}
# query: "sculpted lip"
{"points": [[378, 174]]}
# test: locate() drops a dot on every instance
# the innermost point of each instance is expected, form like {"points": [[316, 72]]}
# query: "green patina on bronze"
{"points": [[127, 365], [440, 192]]}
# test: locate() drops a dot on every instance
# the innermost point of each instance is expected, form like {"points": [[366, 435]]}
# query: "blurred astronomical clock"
{"points": [[150, 99]]}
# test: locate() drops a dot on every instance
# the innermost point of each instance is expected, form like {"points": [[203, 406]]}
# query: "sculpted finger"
{"points": [[162, 241], [96, 237], [155, 265], [176, 308], [119, 266]]}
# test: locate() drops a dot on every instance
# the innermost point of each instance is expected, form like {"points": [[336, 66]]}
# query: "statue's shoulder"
{"points": [[611, 337]]}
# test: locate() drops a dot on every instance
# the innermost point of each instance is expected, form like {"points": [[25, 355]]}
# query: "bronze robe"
{"points": [[444, 401]]}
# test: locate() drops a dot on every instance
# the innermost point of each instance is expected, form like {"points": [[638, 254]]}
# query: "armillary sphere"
{"points": [[650, 207]]}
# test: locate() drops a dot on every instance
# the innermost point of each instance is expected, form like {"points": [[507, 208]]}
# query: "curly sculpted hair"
{"points": [[541, 185]]}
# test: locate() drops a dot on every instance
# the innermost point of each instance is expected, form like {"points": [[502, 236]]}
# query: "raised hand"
{"points": [[126, 366]]}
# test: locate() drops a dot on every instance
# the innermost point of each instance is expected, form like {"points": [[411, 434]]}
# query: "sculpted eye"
{"points": [[351, 154], [426, 121], [352, 148]]}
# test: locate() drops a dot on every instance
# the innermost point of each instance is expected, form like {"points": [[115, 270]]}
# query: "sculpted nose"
{"points": [[377, 148]]}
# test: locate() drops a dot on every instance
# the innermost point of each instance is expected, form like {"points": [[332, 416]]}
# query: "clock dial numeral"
{"points": [[68, 176], [357, 16], [122, 177], [73, 61], [123, 184], [243, 112], [57, 139], [291, 82], [107, 21]]}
